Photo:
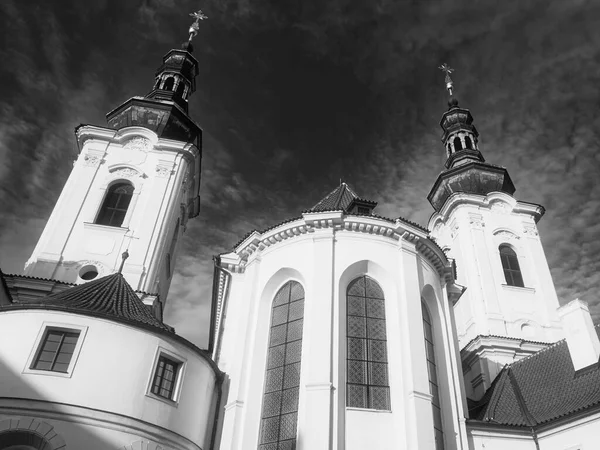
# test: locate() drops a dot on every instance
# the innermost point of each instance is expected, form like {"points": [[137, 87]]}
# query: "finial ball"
{"points": [[452, 102]]}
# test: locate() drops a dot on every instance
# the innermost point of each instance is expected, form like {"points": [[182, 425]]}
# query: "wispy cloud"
{"points": [[294, 97]]}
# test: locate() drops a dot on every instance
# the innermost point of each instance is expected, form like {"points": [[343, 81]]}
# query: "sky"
{"points": [[295, 95]]}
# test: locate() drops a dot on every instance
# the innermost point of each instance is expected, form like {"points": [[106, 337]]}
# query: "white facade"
{"points": [[516, 321], [165, 175], [104, 401], [324, 252]]}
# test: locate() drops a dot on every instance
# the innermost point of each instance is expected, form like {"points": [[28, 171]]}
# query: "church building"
{"points": [[337, 329]]}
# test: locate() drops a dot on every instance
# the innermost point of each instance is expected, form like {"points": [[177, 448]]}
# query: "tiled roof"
{"points": [[538, 389], [339, 199], [109, 296]]}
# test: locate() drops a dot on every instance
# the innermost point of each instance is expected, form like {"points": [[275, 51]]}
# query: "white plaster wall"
{"points": [[111, 374], [71, 239], [472, 231], [324, 262], [581, 434], [500, 440]]}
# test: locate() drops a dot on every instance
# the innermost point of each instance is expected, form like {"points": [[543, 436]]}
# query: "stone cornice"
{"points": [[485, 202], [337, 221]]}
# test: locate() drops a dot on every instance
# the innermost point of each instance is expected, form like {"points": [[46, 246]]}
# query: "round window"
{"points": [[88, 272]]}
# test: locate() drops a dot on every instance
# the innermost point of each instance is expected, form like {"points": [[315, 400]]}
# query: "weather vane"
{"points": [[198, 15], [449, 84]]}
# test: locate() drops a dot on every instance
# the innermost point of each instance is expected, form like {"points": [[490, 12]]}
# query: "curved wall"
{"points": [[106, 395], [324, 262]]}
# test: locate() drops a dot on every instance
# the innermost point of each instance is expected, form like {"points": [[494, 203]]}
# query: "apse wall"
{"points": [[324, 262]]}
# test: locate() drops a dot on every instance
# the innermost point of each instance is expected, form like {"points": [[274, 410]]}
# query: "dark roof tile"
{"points": [[110, 295], [540, 388]]}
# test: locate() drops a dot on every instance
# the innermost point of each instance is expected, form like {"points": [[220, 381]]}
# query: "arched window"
{"points": [[433, 379], [23, 440], [180, 89], [168, 86], [468, 142], [279, 416], [113, 209], [457, 144], [367, 384], [510, 264]]}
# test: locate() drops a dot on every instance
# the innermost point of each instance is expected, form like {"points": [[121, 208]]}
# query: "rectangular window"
{"points": [[165, 377], [56, 350]]}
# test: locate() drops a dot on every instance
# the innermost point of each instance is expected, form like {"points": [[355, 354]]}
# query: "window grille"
{"points": [[367, 383], [279, 416], [165, 377], [510, 265], [56, 351], [115, 204], [433, 379]]}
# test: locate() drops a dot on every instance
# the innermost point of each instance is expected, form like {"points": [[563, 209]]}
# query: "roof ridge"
{"points": [[520, 399], [539, 352]]}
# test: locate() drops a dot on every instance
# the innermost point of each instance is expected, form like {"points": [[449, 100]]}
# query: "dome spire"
{"points": [[194, 27], [449, 83]]}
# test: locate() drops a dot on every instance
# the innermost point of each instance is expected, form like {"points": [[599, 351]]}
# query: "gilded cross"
{"points": [[448, 70], [198, 15]]}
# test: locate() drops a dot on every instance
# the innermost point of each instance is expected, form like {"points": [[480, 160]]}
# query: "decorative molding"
{"points": [[42, 430], [125, 172], [454, 227], [234, 404], [91, 160], [500, 207], [530, 230], [139, 143], [47, 410], [476, 221], [506, 235], [163, 171], [143, 445]]}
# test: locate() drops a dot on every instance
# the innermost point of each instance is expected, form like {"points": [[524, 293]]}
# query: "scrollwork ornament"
{"points": [[476, 221], [126, 172], [163, 172], [91, 160], [139, 143], [530, 230]]}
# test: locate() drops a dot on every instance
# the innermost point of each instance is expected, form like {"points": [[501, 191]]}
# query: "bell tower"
{"points": [[132, 189], [509, 308]]}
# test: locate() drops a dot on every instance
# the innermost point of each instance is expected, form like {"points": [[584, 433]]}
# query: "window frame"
{"points": [[272, 394], [107, 192], [179, 376], [511, 271], [367, 340], [40, 339]]}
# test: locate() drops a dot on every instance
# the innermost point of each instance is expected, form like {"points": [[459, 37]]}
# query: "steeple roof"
{"points": [[342, 198], [110, 296]]}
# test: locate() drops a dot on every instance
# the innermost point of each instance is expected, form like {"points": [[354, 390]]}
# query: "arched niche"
{"points": [[28, 433]]}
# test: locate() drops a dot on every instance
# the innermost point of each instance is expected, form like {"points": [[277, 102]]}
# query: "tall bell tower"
{"points": [[133, 188], [509, 308]]}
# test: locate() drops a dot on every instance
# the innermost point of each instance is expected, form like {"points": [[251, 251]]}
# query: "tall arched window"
{"points": [[510, 265], [279, 416], [115, 204], [367, 364], [433, 379], [180, 89], [457, 144]]}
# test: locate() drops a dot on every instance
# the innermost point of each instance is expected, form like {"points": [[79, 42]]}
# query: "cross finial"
{"points": [[198, 15], [125, 255], [448, 70]]}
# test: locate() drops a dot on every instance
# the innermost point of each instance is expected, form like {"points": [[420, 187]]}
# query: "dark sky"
{"points": [[294, 95]]}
